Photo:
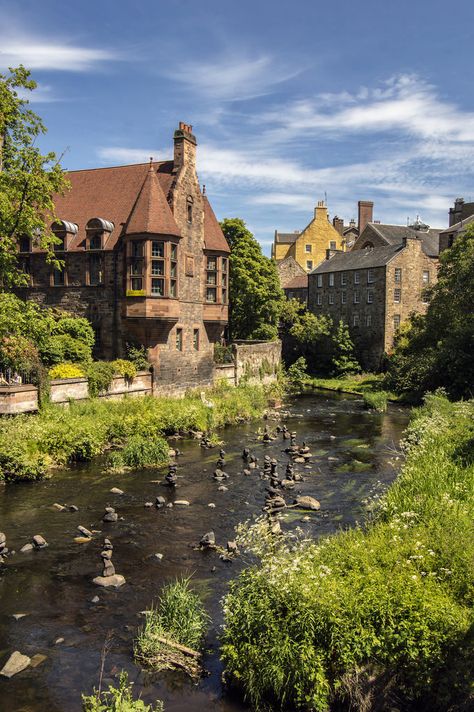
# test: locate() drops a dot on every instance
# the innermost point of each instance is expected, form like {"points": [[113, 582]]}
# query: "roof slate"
{"points": [[299, 282], [458, 226], [358, 259], [151, 213], [214, 238], [287, 237], [394, 234]]}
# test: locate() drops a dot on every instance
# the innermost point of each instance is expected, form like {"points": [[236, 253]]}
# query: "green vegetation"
{"points": [[376, 401], [99, 376], [28, 179], [179, 623], [118, 699], [124, 368], [30, 445], [436, 350], [343, 361], [65, 370], [139, 452], [351, 619], [255, 295], [138, 355]]}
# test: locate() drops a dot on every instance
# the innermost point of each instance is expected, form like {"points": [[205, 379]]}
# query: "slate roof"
{"points": [[358, 259], [286, 238], [299, 282], [458, 226], [394, 234], [214, 238], [151, 213]]}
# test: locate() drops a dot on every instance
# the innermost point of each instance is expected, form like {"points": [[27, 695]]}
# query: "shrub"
{"points": [[59, 348], [21, 461], [376, 401], [223, 354], [141, 451], [124, 368], [65, 370], [180, 618], [138, 355], [118, 699], [99, 375], [297, 375], [344, 361], [18, 354]]}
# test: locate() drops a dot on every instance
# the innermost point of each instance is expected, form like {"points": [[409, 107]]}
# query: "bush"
{"points": [[297, 375], [99, 375], [342, 622], [117, 699], [18, 353], [21, 461], [63, 347], [65, 370], [344, 361], [138, 355], [141, 451], [376, 401], [124, 368]]}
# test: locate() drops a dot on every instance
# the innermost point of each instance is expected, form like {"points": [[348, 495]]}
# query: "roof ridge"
{"points": [[122, 165]]}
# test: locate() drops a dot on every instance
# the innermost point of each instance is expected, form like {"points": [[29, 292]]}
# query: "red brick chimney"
{"points": [[366, 214]]}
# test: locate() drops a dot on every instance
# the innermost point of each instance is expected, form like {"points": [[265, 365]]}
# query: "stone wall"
{"points": [[66, 389], [257, 361], [18, 399], [225, 372]]}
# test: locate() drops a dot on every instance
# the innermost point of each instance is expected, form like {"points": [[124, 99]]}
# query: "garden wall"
{"points": [[66, 389], [16, 399], [257, 361]]}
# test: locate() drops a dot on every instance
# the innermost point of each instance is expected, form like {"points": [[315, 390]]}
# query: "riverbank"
{"points": [[371, 616], [357, 384], [32, 446]]}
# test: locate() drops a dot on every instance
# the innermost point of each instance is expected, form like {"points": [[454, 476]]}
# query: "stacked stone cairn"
{"points": [[171, 478], [110, 515], [3, 548], [109, 577]]}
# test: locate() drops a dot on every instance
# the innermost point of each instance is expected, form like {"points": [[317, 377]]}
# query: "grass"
{"points": [[118, 699], [31, 446], [180, 618], [376, 401], [375, 617], [362, 384]]}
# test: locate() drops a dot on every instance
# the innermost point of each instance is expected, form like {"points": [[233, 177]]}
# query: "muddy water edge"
{"points": [[353, 457]]}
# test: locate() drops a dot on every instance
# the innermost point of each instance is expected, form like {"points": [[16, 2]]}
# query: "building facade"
{"points": [[144, 260]]}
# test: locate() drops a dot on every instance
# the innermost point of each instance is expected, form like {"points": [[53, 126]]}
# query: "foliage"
{"points": [[343, 360], [141, 452], [223, 354], [376, 401], [297, 375], [28, 179], [180, 617], [19, 354], [347, 620], [31, 444], [99, 375], [255, 295], [435, 350], [138, 355], [124, 368], [304, 334], [65, 370], [63, 347], [118, 699]]}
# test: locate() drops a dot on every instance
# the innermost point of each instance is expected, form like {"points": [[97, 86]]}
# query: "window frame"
{"points": [[397, 295], [157, 261], [370, 276], [309, 265], [179, 339], [370, 296], [331, 279], [310, 249], [319, 280], [397, 275]]}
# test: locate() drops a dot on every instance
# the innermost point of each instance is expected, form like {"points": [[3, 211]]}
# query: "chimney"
{"points": [[338, 224], [184, 147], [366, 214], [320, 210], [455, 214]]}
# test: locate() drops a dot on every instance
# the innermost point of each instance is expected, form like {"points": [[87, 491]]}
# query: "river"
{"points": [[53, 586]]}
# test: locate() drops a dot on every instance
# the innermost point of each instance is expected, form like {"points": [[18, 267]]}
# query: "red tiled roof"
{"points": [[299, 282], [108, 193], [151, 213], [214, 238]]}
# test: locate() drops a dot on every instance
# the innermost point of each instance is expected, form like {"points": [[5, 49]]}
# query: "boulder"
{"points": [[106, 581], [208, 540], [305, 502], [27, 547], [59, 507], [15, 664], [182, 503], [160, 502], [82, 539], [73, 508]]}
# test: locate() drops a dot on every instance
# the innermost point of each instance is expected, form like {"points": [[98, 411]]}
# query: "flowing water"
{"points": [[54, 588]]}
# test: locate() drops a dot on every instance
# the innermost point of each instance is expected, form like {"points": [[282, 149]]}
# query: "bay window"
{"points": [[216, 279], [152, 268]]}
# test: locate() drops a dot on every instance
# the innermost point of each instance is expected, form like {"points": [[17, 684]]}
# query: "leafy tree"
{"points": [[28, 179], [343, 360], [435, 350], [255, 294], [304, 334]]}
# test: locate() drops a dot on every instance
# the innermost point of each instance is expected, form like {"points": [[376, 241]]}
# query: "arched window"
{"points": [[189, 209]]}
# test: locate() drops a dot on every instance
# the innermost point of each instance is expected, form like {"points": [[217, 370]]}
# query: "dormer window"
{"points": [[97, 232], [65, 232], [189, 209], [95, 242]]}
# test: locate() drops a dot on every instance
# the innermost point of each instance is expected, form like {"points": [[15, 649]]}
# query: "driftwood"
{"points": [[177, 646]]}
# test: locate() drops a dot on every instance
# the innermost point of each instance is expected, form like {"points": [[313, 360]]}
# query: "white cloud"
{"points": [[43, 94], [118, 154], [40, 53]]}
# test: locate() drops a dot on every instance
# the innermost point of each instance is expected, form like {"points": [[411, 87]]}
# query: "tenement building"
{"points": [[144, 260], [374, 289]]}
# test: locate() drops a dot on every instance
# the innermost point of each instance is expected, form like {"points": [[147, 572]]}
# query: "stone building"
{"points": [[145, 261], [374, 290], [460, 217]]}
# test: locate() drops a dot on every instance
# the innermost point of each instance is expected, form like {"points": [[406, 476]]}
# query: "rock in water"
{"points": [[181, 503], [115, 580], [305, 502], [116, 490], [39, 542], [26, 547], [208, 540], [85, 532], [37, 660], [15, 664], [110, 515]]}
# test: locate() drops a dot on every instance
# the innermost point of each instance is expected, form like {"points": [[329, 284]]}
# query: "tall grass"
{"points": [[374, 617], [30, 445], [118, 699]]}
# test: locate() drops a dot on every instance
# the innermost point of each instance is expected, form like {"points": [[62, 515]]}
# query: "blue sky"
{"points": [[289, 101]]}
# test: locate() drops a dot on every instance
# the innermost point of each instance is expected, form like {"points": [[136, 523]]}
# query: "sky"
{"points": [[291, 102]]}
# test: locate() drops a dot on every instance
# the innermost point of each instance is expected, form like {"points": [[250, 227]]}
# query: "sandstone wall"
{"points": [[257, 361]]}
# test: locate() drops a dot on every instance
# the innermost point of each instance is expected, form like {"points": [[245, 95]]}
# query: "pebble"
{"points": [[305, 502], [58, 641], [39, 541], [82, 539], [116, 490], [37, 660], [222, 488], [85, 532], [59, 507], [148, 504], [17, 616], [160, 502], [15, 664], [27, 547], [73, 508], [105, 581], [169, 505], [211, 505], [159, 556], [182, 503], [96, 599]]}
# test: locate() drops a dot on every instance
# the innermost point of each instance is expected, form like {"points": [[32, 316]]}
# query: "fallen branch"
{"points": [[182, 648]]}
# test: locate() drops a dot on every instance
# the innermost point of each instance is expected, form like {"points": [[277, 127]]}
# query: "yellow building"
{"points": [[309, 246]]}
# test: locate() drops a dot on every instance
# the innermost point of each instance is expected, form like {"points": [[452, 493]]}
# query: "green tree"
{"points": [[28, 179], [304, 334], [255, 294], [343, 360], [436, 349]]}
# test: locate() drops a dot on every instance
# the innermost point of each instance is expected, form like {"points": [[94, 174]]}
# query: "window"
{"points": [[426, 276], [25, 244], [307, 248], [95, 241], [179, 339], [398, 274], [396, 321], [331, 298], [343, 297], [61, 245], [211, 295], [217, 279], [157, 249], [425, 298], [153, 268], [343, 278], [450, 240], [189, 209], [309, 264], [136, 284], [319, 299], [95, 270], [356, 278], [196, 339], [136, 265], [356, 297], [211, 279], [355, 320], [158, 287], [319, 280], [368, 320], [370, 296], [397, 296], [333, 245], [59, 277], [370, 276], [331, 279]]}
